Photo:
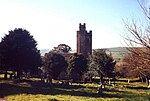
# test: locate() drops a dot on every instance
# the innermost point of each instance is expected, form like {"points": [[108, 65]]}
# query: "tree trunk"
{"points": [[141, 78], [90, 77], [100, 90], [18, 74], [101, 79], [147, 81], [109, 81], [5, 75], [11, 76], [114, 79]]}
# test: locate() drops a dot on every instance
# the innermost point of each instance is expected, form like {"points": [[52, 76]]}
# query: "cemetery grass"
{"points": [[34, 90]]}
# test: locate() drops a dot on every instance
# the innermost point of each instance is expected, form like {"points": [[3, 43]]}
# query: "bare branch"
{"points": [[144, 10]]}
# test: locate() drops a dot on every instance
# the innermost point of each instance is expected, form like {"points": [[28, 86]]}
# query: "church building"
{"points": [[84, 40]]}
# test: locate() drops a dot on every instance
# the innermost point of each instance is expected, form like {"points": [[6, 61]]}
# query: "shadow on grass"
{"points": [[126, 80], [55, 89], [137, 87], [133, 96], [113, 90]]}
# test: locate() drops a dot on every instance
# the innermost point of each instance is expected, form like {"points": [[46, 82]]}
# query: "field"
{"points": [[34, 90]]}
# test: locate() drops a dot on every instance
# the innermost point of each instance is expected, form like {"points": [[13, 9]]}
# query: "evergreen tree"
{"points": [[104, 64], [55, 63], [77, 65], [18, 51]]}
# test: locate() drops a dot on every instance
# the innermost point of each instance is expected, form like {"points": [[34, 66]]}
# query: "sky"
{"points": [[53, 22]]}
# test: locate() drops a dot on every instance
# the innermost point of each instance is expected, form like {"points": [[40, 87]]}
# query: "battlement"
{"points": [[82, 27], [90, 32]]}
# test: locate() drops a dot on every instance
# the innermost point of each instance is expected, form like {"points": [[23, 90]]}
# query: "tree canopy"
{"points": [[139, 58], [77, 65], [135, 62], [103, 63], [55, 63], [62, 48], [19, 52]]}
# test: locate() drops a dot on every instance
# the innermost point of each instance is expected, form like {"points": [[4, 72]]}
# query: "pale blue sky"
{"points": [[54, 22]]}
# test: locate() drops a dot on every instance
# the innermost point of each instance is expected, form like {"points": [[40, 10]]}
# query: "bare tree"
{"points": [[139, 58]]}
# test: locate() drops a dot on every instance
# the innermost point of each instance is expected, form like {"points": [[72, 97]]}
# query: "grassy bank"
{"points": [[33, 90]]}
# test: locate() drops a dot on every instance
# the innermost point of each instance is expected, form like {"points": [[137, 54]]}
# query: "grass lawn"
{"points": [[33, 90]]}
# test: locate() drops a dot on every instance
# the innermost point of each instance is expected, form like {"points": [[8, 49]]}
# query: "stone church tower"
{"points": [[84, 40]]}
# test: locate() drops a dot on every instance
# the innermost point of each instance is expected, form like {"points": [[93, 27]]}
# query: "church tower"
{"points": [[84, 40]]}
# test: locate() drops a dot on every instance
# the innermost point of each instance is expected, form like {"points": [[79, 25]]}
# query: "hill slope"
{"points": [[117, 52]]}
